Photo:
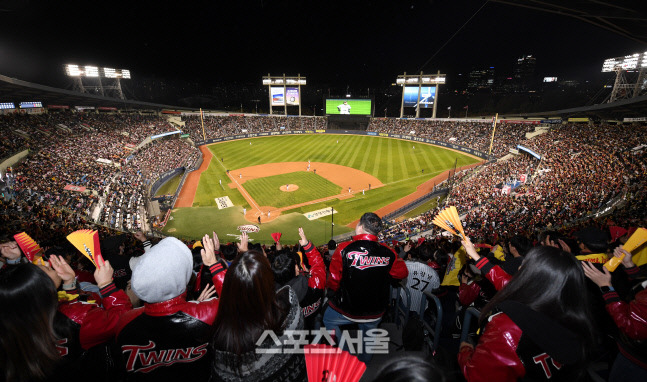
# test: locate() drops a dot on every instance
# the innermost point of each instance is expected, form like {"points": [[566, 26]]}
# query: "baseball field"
{"points": [[296, 181]]}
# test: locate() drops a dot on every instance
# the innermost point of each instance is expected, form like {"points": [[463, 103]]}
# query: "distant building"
{"points": [[481, 79], [524, 73]]}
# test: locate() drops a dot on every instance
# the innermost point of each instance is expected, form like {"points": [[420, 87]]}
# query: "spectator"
{"points": [[249, 307], [168, 324], [309, 290], [631, 318], [27, 339], [543, 329], [422, 278], [360, 275], [84, 326]]}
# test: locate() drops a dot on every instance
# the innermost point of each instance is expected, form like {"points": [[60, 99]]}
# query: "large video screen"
{"points": [[278, 98], [427, 96], [348, 106]]}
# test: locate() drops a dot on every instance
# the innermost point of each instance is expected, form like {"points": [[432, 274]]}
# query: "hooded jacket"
{"points": [[168, 340]]}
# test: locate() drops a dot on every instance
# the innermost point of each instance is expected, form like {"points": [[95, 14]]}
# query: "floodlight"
{"points": [[125, 73], [91, 71], [267, 81], [7, 105], [628, 62], [73, 70], [109, 73], [302, 81]]}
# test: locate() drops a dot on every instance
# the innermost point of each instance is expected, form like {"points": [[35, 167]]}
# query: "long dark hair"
{"points": [[27, 341], [248, 305], [552, 282]]}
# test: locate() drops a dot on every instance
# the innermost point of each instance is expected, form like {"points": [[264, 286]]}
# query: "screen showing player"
{"points": [[347, 106]]}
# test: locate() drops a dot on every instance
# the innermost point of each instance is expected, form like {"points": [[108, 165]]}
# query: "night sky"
{"points": [[356, 43]]}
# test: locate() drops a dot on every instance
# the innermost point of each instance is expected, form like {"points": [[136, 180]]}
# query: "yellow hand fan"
{"points": [[87, 242], [448, 220]]}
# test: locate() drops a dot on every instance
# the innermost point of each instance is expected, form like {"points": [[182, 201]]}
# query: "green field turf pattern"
{"points": [[193, 223], [266, 191], [396, 163]]}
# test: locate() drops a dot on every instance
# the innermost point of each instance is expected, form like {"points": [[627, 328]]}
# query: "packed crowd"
{"points": [[120, 319], [164, 310], [476, 135], [582, 170], [216, 126], [90, 160]]}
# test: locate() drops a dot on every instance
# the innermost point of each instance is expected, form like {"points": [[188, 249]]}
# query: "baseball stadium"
{"points": [[301, 191]]}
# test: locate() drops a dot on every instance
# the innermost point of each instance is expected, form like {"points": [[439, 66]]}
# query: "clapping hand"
{"points": [[208, 252], [244, 241], [303, 241]]}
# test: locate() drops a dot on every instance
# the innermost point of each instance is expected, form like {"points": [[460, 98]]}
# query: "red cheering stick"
{"points": [[276, 236], [87, 242], [28, 246]]}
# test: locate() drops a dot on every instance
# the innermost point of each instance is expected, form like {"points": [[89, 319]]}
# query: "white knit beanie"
{"points": [[163, 272]]}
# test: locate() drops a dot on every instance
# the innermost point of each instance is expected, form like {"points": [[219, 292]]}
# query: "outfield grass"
{"points": [[170, 186], [266, 191], [396, 163]]}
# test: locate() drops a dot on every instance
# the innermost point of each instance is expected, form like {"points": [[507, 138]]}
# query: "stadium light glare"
{"points": [[634, 61], [73, 70], [91, 71]]}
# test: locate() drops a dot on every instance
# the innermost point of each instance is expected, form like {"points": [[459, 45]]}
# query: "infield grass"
{"points": [[266, 191]]}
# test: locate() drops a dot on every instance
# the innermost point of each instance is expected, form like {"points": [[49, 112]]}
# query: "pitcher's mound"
{"points": [[289, 187]]}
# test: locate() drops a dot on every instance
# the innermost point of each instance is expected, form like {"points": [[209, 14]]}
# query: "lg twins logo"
{"points": [[361, 261], [150, 359]]}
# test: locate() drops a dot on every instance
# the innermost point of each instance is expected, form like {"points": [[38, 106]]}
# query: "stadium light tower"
{"points": [[623, 89], [284, 91], [110, 86], [420, 90]]}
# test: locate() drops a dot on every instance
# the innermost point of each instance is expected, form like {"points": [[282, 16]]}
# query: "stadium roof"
{"points": [[625, 108], [14, 90], [618, 16]]}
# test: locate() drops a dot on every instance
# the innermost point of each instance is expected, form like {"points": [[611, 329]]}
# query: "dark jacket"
{"points": [[631, 320], [81, 327], [310, 289], [361, 272], [168, 340], [520, 344]]}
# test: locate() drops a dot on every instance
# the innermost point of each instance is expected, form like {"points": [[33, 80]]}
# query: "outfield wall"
{"points": [[452, 146]]}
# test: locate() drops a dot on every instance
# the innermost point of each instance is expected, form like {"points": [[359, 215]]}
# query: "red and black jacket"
{"points": [[631, 320], [497, 276], [311, 303], [520, 344], [81, 326], [168, 340], [361, 272]]}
